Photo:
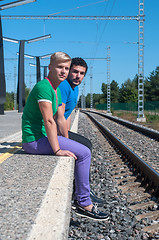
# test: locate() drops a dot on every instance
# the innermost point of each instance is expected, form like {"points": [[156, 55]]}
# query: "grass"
{"points": [[152, 121]]}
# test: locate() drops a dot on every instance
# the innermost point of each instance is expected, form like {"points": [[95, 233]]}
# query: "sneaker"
{"points": [[96, 199], [95, 214], [73, 204]]}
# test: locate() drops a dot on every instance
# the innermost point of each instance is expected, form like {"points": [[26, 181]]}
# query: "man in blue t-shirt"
{"points": [[69, 93], [69, 87], [69, 97]]}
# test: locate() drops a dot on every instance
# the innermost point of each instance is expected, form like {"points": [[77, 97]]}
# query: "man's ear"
{"points": [[49, 67]]}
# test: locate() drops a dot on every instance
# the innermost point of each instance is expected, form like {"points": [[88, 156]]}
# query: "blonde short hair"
{"points": [[60, 56]]}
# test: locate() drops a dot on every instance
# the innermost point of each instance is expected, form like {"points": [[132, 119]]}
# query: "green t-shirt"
{"points": [[32, 121]]}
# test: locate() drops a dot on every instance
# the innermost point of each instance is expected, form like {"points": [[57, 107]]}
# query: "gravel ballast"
{"points": [[122, 224]]}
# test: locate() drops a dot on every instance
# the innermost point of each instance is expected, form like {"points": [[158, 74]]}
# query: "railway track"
{"points": [[138, 128], [137, 181], [142, 141]]}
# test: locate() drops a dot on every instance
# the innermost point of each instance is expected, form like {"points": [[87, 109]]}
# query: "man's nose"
{"points": [[63, 70], [78, 74]]}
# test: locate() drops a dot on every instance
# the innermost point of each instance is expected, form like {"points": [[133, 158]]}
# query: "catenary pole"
{"points": [[141, 117], [108, 82]]}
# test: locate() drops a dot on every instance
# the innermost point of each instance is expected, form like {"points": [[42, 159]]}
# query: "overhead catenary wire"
{"points": [[103, 30], [78, 7]]}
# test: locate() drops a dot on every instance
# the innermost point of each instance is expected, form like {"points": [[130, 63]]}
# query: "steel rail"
{"points": [[146, 131], [139, 163]]}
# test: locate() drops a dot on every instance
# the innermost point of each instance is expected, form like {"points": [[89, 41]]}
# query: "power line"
{"points": [[78, 7], [29, 17]]}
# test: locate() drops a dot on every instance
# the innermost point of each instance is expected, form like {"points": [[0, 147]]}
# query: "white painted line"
{"points": [[52, 222], [11, 138]]}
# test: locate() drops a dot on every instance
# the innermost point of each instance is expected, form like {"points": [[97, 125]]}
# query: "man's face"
{"points": [[60, 70], [76, 75]]}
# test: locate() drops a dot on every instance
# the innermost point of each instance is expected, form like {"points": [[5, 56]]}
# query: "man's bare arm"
{"points": [[61, 121], [69, 122], [51, 129]]}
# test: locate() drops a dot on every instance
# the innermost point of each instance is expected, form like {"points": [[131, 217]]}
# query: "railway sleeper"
{"points": [[151, 215], [119, 165], [134, 197], [128, 186], [122, 175], [121, 171], [115, 159], [126, 179], [144, 205], [152, 228]]}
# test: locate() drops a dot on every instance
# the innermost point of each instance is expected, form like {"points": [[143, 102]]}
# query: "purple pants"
{"points": [[82, 164]]}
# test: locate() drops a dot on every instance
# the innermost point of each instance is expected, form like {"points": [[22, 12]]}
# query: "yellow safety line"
{"points": [[10, 152]]}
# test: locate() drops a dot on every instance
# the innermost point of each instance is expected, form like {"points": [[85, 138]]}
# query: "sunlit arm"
{"points": [[69, 123], [61, 121], [50, 124], [51, 130]]}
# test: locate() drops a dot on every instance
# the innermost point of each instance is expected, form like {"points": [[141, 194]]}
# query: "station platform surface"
{"points": [[36, 190]]}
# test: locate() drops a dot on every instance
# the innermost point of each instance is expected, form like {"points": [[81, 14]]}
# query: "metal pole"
{"points": [[140, 117], [30, 83], [45, 71], [91, 88], [15, 93], [81, 101], [84, 99], [21, 85], [2, 75], [38, 73], [108, 81]]}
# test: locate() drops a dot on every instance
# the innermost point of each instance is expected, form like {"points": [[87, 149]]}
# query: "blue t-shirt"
{"points": [[69, 97]]}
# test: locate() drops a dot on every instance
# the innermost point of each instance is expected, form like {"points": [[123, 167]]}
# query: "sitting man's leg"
{"points": [[84, 206], [85, 141], [81, 139]]}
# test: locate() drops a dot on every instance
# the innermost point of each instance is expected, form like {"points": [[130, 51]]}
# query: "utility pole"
{"points": [[15, 92], [108, 82], [91, 88], [38, 66], [141, 117], [2, 75], [29, 83], [84, 98]]}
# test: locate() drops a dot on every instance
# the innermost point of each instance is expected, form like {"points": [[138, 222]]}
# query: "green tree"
{"points": [[128, 92], [104, 90], [9, 104], [88, 100], [152, 86], [114, 92], [96, 99]]}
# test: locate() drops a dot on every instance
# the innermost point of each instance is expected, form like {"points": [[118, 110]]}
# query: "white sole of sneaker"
{"points": [[73, 207], [81, 215]]}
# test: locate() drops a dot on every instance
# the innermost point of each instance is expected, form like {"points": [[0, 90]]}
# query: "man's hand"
{"points": [[66, 153]]}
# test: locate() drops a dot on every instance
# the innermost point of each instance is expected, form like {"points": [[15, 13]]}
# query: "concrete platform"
{"points": [[36, 191]]}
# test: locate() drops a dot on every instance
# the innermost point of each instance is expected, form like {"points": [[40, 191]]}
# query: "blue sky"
{"points": [[83, 38]]}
